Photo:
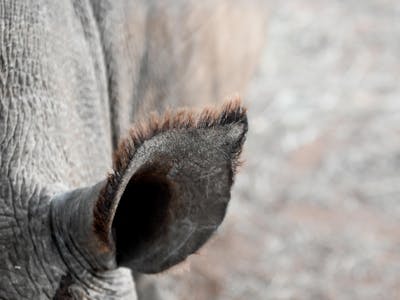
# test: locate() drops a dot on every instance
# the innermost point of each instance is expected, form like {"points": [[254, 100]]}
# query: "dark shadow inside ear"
{"points": [[142, 214]]}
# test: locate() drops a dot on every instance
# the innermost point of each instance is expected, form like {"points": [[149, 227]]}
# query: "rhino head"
{"points": [[74, 77], [166, 195]]}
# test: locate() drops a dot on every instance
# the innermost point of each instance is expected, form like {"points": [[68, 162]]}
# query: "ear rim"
{"points": [[231, 113]]}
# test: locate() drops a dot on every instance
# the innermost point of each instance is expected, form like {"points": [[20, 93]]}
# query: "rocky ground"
{"points": [[315, 212]]}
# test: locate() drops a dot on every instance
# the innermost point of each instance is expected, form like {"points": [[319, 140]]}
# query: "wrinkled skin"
{"points": [[74, 76]]}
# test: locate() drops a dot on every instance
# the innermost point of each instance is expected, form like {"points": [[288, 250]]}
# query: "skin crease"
{"points": [[74, 76]]}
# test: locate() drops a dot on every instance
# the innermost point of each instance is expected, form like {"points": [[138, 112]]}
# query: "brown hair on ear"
{"points": [[230, 113]]}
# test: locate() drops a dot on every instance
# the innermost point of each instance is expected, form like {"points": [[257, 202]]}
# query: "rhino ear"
{"points": [[169, 189]]}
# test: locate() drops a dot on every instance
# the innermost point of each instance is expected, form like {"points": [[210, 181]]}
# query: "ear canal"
{"points": [[137, 222], [166, 196]]}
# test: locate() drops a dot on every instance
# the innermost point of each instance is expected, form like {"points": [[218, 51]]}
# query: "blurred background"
{"points": [[316, 207]]}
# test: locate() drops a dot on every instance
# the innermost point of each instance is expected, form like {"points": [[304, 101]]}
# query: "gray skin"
{"points": [[74, 76]]}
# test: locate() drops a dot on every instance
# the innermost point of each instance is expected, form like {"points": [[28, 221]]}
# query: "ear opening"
{"points": [[142, 213]]}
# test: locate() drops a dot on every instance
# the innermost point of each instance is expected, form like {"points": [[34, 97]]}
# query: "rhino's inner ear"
{"points": [[167, 194], [142, 212]]}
